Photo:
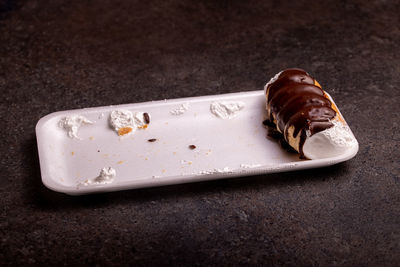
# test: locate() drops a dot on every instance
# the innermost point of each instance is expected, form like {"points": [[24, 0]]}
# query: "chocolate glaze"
{"points": [[296, 101]]}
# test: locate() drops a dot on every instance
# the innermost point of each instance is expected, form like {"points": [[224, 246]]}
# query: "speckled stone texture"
{"points": [[58, 54]]}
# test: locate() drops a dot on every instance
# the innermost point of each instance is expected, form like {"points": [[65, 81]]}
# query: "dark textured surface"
{"points": [[57, 55]]}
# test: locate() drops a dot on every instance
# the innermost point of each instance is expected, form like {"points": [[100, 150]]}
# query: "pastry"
{"points": [[304, 114]]}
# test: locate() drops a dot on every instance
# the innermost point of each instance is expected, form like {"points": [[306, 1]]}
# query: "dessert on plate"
{"points": [[306, 116]]}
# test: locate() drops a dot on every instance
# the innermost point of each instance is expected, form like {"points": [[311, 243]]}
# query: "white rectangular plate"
{"points": [[224, 148]]}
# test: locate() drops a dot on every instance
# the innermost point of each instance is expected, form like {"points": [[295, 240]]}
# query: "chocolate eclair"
{"points": [[303, 112]]}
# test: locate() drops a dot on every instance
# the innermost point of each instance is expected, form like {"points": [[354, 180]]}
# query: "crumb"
{"points": [[143, 127], [192, 147], [72, 153], [152, 140], [124, 130], [120, 162], [146, 117]]}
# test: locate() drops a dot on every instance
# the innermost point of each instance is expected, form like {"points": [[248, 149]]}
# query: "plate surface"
{"points": [[224, 148]]}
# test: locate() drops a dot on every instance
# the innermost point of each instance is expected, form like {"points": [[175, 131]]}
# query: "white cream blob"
{"points": [[181, 109], [216, 170], [106, 176], [120, 119], [140, 120], [72, 124], [226, 109], [332, 142]]}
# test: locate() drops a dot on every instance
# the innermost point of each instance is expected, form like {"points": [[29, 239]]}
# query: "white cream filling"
{"points": [[331, 142], [72, 124], [226, 109]]}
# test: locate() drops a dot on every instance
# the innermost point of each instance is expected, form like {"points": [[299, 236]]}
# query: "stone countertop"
{"points": [[58, 55]]}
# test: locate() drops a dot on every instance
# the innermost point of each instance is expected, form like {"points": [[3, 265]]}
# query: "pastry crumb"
{"points": [[124, 130]]}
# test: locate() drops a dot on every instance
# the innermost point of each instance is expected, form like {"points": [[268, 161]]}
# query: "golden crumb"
{"points": [[124, 130]]}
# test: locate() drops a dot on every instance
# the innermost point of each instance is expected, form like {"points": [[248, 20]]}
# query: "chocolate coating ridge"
{"points": [[289, 76], [294, 100]]}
